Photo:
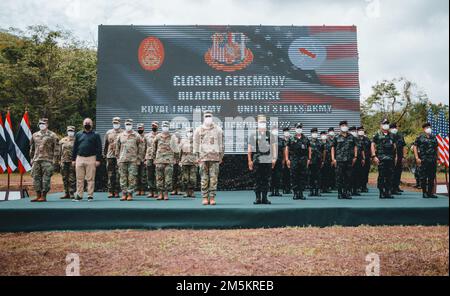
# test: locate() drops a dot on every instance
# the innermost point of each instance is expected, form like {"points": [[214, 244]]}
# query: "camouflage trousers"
{"points": [[69, 178], [141, 184], [176, 176], [113, 175], [164, 175], [42, 172], [151, 179], [128, 176], [209, 174], [189, 176]]}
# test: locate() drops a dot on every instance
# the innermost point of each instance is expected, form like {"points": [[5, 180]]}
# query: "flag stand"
{"points": [[7, 187], [23, 191]]}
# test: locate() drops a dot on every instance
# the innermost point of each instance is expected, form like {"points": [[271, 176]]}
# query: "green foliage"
{"points": [[50, 73]]}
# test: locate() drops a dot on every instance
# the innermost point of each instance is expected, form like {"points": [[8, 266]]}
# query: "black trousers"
{"points": [[365, 170], [385, 174], [286, 175], [299, 174], [275, 180], [314, 175], [427, 173], [325, 175], [398, 169], [357, 171], [262, 173]]}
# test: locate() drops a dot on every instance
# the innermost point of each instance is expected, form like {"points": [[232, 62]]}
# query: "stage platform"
{"points": [[235, 209]]}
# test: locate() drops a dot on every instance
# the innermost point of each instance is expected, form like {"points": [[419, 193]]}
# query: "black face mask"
{"points": [[154, 129], [87, 127], [140, 132]]}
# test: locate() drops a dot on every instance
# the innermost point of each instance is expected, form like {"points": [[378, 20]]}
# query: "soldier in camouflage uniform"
{"points": [[188, 164], [286, 172], [151, 179], [344, 154], [297, 157], [316, 162], [332, 172], [326, 164], [261, 157], [401, 158], [128, 153], [357, 169], [111, 161], [426, 153], [384, 155], [275, 178], [176, 177], [44, 155], [366, 147], [67, 169], [209, 150], [141, 184], [164, 149]]}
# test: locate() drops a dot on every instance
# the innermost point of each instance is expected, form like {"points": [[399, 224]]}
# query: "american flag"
{"points": [[439, 125]]}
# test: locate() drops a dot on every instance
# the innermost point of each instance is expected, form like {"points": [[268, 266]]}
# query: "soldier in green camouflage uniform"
{"points": [[111, 161], [384, 155], [325, 170], [151, 179], [164, 149], [209, 150], [366, 147], [344, 154], [357, 170], [128, 153], [44, 155], [316, 162], [188, 164], [176, 176], [426, 153], [401, 157], [141, 184], [67, 169]]}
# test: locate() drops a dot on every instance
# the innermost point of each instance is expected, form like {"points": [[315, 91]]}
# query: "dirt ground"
{"points": [[279, 251]]}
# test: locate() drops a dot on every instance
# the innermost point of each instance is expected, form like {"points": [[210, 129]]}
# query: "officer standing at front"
{"points": [[316, 162], [111, 162], [67, 169], [426, 153], [401, 158], [384, 155], [297, 157], [344, 154]]}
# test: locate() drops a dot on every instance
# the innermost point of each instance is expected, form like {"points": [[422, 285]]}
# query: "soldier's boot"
{"points": [[166, 195], [272, 192], [300, 195], [365, 189], [205, 200], [65, 196], [430, 190], [160, 196], [388, 194], [258, 198], [264, 198], [151, 194], [355, 192], [396, 191], [296, 195], [110, 194], [212, 200], [38, 196], [129, 196], [381, 193], [347, 194], [277, 193], [43, 197], [318, 192], [124, 196], [72, 195], [340, 196], [116, 194], [311, 192]]}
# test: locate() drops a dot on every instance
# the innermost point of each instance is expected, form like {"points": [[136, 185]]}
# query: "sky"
{"points": [[397, 38]]}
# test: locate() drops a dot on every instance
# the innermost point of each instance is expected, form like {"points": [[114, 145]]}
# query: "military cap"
{"points": [[140, 126], [70, 128], [385, 121], [331, 129], [165, 124], [43, 120], [299, 125], [343, 122], [207, 113], [129, 121], [286, 129], [393, 125], [323, 132], [360, 128], [116, 120], [314, 130], [261, 118], [352, 128], [155, 123], [426, 124]]}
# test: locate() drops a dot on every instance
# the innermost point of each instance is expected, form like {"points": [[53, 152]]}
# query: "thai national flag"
{"points": [[3, 148], [23, 139], [11, 145]]}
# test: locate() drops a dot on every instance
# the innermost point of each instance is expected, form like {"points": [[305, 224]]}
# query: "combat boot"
{"points": [[110, 194], [347, 194], [205, 201], [430, 190], [43, 197], [296, 197], [317, 193], [388, 194], [212, 200], [264, 199], [124, 196], [258, 198], [355, 192], [160, 196], [301, 196], [129, 196], [37, 198], [311, 192], [65, 196], [166, 195], [340, 196]]}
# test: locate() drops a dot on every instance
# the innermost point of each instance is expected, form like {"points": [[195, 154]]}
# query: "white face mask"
{"points": [[314, 135], [128, 127], [323, 137], [298, 130], [331, 134], [394, 131], [261, 125], [354, 134], [208, 120], [287, 134], [344, 128], [385, 127], [71, 134], [165, 129], [42, 127], [361, 133], [275, 132], [116, 125], [428, 130]]}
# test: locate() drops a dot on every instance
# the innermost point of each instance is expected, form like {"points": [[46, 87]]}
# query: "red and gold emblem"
{"points": [[151, 53]]}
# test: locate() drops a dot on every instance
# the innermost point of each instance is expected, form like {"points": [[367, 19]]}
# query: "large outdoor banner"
{"points": [[290, 73]]}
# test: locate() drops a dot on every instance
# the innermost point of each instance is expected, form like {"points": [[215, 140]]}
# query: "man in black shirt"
{"points": [[86, 156]]}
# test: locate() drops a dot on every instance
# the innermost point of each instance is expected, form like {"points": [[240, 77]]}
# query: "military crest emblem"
{"points": [[151, 53]]}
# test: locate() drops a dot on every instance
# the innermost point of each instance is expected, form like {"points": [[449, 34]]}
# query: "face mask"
{"points": [[128, 127], [87, 127], [298, 130], [394, 131], [42, 127], [261, 125], [354, 134], [287, 134], [344, 128], [331, 134], [275, 132], [154, 129], [165, 129], [314, 135], [140, 132], [385, 127], [116, 126], [428, 130], [361, 133], [71, 134], [208, 120], [323, 137]]}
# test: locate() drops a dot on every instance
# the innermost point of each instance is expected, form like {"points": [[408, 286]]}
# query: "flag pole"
{"points": [[7, 187]]}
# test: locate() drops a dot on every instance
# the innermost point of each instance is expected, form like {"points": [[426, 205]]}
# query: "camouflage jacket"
{"points": [[208, 143], [65, 148], [316, 151], [385, 146], [187, 152], [365, 144], [298, 147], [143, 149], [110, 142], [128, 147], [149, 137], [44, 146], [164, 148], [426, 147], [344, 146]]}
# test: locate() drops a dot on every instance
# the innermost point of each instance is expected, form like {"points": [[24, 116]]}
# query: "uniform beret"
{"points": [[343, 122]]}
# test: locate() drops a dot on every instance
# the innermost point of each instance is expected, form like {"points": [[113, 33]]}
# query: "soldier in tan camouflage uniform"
{"points": [[67, 169], [176, 176], [128, 147], [111, 161], [142, 175], [44, 155], [188, 164], [151, 181], [209, 149], [164, 149]]}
